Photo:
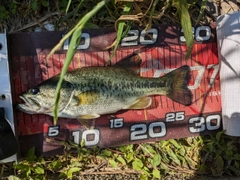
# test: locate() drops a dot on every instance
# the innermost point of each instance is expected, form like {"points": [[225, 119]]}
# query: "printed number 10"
{"points": [[94, 133]]}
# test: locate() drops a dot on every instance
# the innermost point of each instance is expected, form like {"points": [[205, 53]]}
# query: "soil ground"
{"points": [[38, 20]]}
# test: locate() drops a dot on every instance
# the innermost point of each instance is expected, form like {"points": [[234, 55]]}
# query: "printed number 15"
{"points": [[116, 123]]}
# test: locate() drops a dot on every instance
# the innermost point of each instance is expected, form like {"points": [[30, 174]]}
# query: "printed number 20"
{"points": [[141, 131], [132, 37]]}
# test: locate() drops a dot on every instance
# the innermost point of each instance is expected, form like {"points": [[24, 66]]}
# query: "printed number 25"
{"points": [[178, 116]]}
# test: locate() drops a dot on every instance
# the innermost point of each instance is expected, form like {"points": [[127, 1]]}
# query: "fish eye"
{"points": [[35, 91]]}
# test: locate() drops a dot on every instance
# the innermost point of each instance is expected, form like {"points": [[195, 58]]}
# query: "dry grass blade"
{"points": [[39, 21], [130, 0], [127, 18], [209, 155]]}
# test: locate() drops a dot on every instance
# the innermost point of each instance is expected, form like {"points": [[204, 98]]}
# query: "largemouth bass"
{"points": [[89, 92]]}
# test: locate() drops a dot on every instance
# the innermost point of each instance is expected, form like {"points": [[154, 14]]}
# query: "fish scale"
{"points": [[90, 92]]}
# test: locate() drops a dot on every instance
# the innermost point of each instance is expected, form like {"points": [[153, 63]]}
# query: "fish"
{"points": [[89, 92]]}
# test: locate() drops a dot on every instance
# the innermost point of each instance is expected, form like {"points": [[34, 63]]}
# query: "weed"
{"points": [[221, 155], [32, 166], [208, 155], [7, 8]]}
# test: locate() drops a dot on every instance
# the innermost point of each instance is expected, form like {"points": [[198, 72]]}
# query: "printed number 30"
{"points": [[201, 124]]}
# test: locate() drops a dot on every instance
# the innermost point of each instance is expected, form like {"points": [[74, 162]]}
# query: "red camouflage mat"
{"points": [[162, 49]]}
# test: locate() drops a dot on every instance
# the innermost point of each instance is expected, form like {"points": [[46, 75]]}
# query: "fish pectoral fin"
{"points": [[88, 97], [88, 120], [142, 103]]}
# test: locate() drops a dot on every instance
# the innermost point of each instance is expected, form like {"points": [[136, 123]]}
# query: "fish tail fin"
{"points": [[179, 80]]}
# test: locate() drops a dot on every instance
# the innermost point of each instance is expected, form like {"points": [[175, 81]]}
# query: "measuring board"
{"points": [[162, 49], [8, 142]]}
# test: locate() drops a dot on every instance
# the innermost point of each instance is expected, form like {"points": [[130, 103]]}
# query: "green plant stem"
{"points": [[120, 32], [76, 37]]}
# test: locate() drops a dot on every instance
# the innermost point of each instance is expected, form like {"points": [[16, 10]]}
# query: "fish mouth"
{"points": [[30, 105]]}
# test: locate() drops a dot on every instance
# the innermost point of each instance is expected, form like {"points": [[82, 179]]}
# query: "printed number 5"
{"points": [[53, 131]]}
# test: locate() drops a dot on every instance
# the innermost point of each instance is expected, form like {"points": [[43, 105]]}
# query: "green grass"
{"points": [[211, 155]]}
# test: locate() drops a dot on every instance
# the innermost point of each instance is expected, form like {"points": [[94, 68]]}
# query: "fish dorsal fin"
{"points": [[142, 103], [131, 62]]}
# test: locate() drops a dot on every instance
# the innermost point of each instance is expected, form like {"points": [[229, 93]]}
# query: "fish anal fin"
{"points": [[89, 116], [142, 103], [88, 97], [88, 120]]}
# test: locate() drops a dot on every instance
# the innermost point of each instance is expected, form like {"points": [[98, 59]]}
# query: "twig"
{"points": [[2, 170], [96, 167], [143, 148], [39, 21], [113, 172], [179, 169]]}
